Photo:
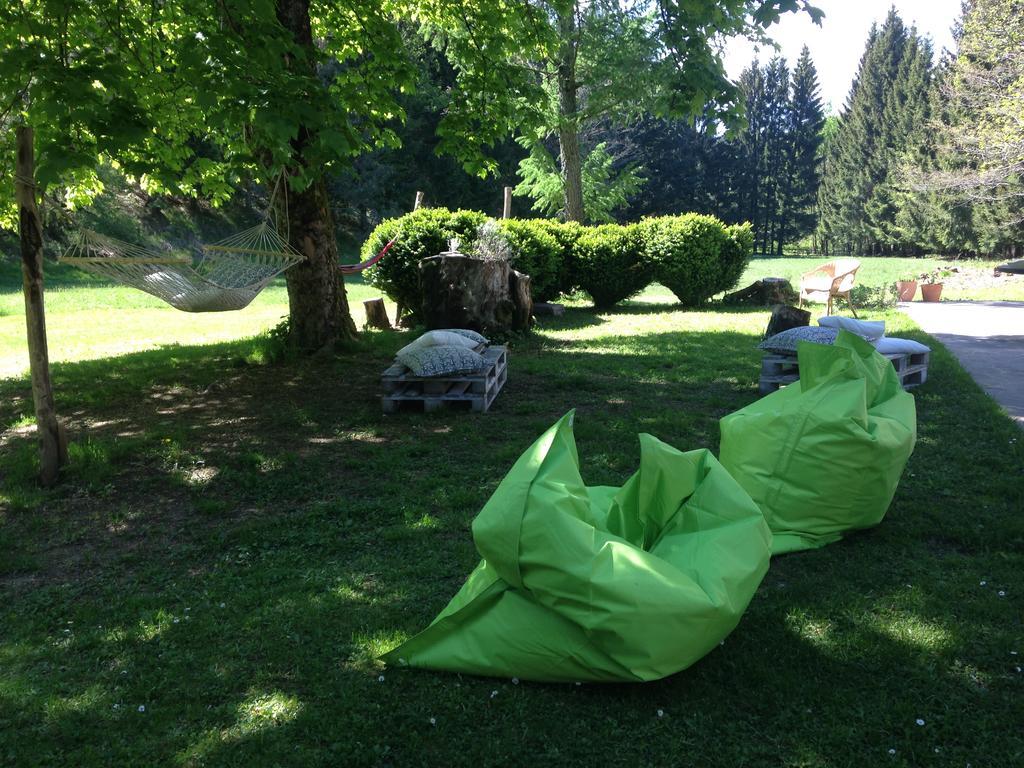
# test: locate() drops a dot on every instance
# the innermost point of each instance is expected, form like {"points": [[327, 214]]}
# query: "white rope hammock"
{"points": [[225, 276]]}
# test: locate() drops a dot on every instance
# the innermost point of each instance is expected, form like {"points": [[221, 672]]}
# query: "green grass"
{"points": [[233, 545], [876, 271], [88, 319]]}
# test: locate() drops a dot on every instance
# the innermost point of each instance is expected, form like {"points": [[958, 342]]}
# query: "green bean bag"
{"points": [[600, 584], [824, 455]]}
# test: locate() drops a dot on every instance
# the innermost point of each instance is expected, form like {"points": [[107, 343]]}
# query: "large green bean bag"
{"points": [[600, 584], [824, 455]]}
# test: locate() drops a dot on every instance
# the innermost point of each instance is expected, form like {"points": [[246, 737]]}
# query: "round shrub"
{"points": [[610, 265], [688, 254], [423, 233]]}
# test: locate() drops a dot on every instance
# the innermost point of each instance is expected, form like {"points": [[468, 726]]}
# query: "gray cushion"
{"points": [[441, 360], [785, 343], [468, 334]]}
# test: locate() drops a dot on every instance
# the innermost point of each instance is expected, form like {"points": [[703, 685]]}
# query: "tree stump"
{"points": [[376, 314], [484, 295], [519, 289], [785, 317], [764, 293]]}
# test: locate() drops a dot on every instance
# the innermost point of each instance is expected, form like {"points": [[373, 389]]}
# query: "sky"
{"points": [[836, 46]]}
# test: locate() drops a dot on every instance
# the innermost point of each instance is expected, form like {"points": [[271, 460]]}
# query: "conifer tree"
{"points": [[803, 160], [887, 105]]}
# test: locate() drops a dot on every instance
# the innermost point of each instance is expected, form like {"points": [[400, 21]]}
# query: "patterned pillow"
{"points": [[442, 360], [468, 334], [785, 343], [440, 339]]}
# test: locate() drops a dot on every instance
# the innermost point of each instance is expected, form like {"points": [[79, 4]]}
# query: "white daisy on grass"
{"points": [[919, 721]]}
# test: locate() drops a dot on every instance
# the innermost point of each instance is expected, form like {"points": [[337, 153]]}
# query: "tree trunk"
{"points": [[318, 305], [53, 451], [483, 295], [376, 314], [784, 317], [763, 293], [568, 128]]}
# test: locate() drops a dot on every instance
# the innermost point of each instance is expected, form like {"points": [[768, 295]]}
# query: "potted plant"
{"points": [[906, 287], [931, 288]]}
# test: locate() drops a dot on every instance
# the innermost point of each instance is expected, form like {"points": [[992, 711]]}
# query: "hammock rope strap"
{"points": [[352, 269]]}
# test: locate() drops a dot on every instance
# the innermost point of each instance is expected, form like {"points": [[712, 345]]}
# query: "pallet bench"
{"points": [[478, 390], [779, 370]]}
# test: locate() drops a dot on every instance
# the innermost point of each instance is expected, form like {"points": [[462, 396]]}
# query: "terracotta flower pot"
{"points": [[931, 291], [906, 289]]}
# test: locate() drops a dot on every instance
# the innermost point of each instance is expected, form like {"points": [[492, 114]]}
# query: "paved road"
{"points": [[988, 339]]}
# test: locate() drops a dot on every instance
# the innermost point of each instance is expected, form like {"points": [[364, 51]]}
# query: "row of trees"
{"points": [[930, 158], [766, 171]]}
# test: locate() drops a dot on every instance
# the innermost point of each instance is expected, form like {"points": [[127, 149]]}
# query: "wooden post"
{"points": [[419, 201], [376, 314], [52, 439], [506, 212]]}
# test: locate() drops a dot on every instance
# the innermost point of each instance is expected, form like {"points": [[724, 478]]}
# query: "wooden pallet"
{"points": [[779, 370], [477, 390]]}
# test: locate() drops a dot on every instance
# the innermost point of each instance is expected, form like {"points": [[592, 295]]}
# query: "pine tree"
{"points": [[774, 165], [803, 161], [887, 105]]}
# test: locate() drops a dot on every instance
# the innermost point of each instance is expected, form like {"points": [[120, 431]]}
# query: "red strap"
{"points": [[351, 269]]}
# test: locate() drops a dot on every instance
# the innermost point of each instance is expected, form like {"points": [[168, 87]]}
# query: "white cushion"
{"points": [[870, 330], [439, 339], [891, 346]]}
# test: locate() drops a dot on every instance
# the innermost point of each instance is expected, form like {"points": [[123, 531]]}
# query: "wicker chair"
{"points": [[829, 280]]}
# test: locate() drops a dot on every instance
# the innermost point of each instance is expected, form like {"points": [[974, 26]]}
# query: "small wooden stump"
{"points": [[376, 314], [542, 308], [785, 317]]}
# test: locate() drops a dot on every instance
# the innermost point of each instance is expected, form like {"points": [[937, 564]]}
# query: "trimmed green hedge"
{"points": [[610, 265], [693, 255]]}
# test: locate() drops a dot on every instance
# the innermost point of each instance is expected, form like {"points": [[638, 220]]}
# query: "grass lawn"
{"points": [[973, 281], [87, 318], [90, 319], [233, 545]]}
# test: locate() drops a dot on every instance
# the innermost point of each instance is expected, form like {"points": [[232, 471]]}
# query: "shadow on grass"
{"points": [[238, 543]]}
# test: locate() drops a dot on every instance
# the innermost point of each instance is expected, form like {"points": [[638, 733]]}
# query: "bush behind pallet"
{"points": [[694, 255]]}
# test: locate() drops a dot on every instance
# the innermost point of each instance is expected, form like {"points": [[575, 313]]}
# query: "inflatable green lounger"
{"points": [[600, 584], [824, 455]]}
